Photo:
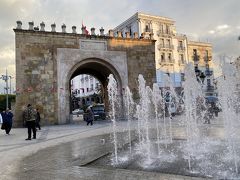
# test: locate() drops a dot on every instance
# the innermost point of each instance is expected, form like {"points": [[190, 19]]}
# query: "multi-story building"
{"points": [[86, 89], [171, 49], [200, 54]]}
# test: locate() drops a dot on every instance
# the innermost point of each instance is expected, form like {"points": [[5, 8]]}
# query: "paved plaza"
{"points": [[56, 151]]}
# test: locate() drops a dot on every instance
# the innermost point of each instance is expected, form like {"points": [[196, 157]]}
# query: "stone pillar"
{"points": [[101, 31], [83, 30], [19, 24], [53, 26], [135, 35], [93, 31], [144, 35], [31, 24], [110, 32], [151, 35], [127, 34], [64, 28], [119, 34], [74, 29], [42, 26]]}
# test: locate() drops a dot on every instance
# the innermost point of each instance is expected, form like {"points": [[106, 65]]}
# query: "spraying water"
{"points": [[129, 105], [157, 99], [113, 100], [229, 100], [192, 92]]}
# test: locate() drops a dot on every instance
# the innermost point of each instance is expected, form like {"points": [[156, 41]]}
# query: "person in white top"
{"points": [[1, 121]]}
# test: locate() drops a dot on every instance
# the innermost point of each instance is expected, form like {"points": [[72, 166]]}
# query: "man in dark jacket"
{"points": [[90, 117], [7, 120], [30, 117]]}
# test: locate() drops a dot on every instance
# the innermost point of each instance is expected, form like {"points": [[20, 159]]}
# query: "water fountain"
{"points": [[182, 144]]}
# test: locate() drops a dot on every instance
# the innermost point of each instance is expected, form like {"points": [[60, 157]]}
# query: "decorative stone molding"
{"points": [[19, 24], [101, 31], [42, 26], [151, 35], [93, 45], [93, 31], [119, 34], [127, 34], [53, 26], [64, 28], [135, 35], [74, 29], [31, 24], [83, 30], [110, 32]]}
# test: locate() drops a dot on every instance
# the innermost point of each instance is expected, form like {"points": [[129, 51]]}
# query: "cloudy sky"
{"points": [[215, 21]]}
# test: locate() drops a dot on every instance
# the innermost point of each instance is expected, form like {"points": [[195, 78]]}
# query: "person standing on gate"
{"points": [[30, 117], [7, 120], [38, 118]]}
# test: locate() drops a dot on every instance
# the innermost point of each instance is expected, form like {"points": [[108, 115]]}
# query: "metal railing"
{"points": [[181, 48], [165, 46]]}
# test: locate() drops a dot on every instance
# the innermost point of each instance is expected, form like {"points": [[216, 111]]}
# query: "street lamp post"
{"points": [[5, 78]]}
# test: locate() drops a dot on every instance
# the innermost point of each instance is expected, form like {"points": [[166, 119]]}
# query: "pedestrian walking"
{"points": [[1, 121], [38, 118], [7, 118], [90, 117], [30, 118]]}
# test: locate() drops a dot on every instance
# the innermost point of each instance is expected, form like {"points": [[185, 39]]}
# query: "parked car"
{"points": [[98, 111], [77, 111]]}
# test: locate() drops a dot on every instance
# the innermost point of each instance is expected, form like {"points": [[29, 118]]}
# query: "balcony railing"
{"points": [[195, 58], [166, 61], [165, 46], [148, 30], [164, 32], [181, 48]]}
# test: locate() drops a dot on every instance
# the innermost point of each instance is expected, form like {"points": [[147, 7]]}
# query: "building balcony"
{"points": [[148, 30], [166, 61], [181, 48], [164, 33], [181, 62], [165, 46], [196, 58]]}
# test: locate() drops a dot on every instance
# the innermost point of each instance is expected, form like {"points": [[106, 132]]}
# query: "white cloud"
{"points": [[211, 32], [221, 27]]}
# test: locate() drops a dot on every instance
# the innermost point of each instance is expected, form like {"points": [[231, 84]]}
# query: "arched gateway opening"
{"points": [[95, 67], [99, 70]]}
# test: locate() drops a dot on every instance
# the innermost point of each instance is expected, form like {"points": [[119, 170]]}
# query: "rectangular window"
{"points": [[181, 58], [182, 76], [169, 56], [162, 57]]}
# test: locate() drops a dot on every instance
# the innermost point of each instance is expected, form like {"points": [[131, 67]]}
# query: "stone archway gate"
{"points": [[45, 62]]}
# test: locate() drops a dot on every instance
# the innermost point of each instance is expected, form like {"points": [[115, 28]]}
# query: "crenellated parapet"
{"points": [[33, 28]]}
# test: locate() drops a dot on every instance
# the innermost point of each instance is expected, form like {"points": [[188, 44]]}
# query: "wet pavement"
{"points": [[59, 151]]}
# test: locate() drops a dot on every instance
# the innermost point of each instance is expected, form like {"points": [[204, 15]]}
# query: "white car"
{"points": [[77, 111]]}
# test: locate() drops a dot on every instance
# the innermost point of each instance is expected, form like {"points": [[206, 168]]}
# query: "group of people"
{"points": [[31, 119], [6, 119]]}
